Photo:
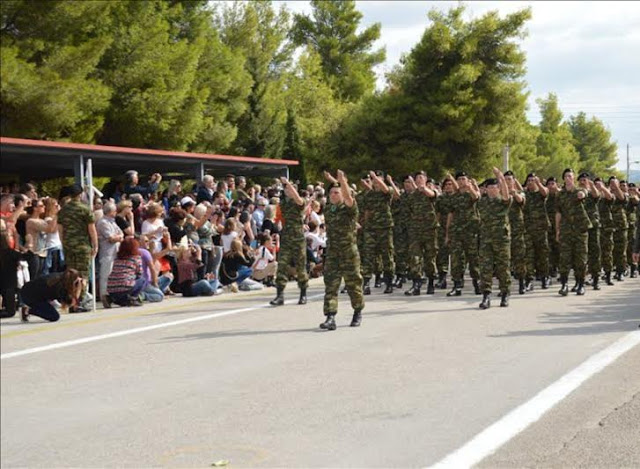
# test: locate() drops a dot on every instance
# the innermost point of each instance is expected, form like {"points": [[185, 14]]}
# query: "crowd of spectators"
{"points": [[149, 239]]}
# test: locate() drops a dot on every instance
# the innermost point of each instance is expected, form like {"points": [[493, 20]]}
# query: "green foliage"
{"points": [[347, 62], [592, 140], [293, 149]]}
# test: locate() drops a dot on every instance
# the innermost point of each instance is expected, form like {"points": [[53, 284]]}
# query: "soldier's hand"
{"points": [[496, 172], [389, 179], [557, 236], [580, 195]]}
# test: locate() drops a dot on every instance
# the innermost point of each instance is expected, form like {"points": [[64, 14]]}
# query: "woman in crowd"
{"points": [[36, 238], [153, 227], [264, 267], [55, 257], [236, 265], [189, 262], [65, 288], [126, 281], [172, 196], [229, 234], [155, 284], [211, 254], [124, 218]]}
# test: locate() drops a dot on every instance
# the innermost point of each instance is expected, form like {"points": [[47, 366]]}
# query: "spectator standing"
{"points": [[36, 238], [206, 191], [55, 256], [153, 227], [124, 218], [109, 238], [258, 214], [132, 187]]}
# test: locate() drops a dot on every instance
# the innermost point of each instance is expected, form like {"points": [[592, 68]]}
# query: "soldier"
{"points": [[619, 213], [462, 229], [631, 234], [572, 225], [378, 233], [423, 233], [495, 239], [591, 204], [342, 259], [362, 199], [293, 247], [554, 246], [443, 203], [607, 228], [537, 227], [400, 212], [77, 229], [516, 222]]}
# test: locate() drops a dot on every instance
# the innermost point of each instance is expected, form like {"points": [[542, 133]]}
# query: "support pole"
{"points": [[200, 173], [93, 259]]}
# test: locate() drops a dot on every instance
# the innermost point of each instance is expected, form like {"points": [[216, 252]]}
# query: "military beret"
{"points": [[366, 176], [508, 173], [631, 184], [584, 175], [406, 177], [611, 178], [531, 175], [568, 170], [379, 173], [597, 179], [431, 180], [75, 190], [332, 185], [420, 173], [491, 182], [460, 174], [551, 179], [623, 181]]}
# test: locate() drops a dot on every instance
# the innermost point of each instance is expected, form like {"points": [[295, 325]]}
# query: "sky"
{"points": [[588, 53]]}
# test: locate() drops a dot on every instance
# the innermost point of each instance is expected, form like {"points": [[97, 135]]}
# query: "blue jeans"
{"points": [[152, 294], [163, 283], [204, 287], [244, 273], [54, 262], [122, 298]]}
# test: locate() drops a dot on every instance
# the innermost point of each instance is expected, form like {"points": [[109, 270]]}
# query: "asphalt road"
{"points": [[190, 382]]}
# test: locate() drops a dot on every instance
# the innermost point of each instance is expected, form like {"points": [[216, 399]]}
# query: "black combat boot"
{"points": [[399, 283], [430, 287], [580, 289], [330, 323], [366, 289], [545, 283], [529, 284], [409, 292], [476, 287], [634, 271], [596, 282], [442, 280], [486, 301], [456, 290], [618, 276], [357, 318], [504, 300], [303, 296], [607, 278], [377, 283], [388, 280], [279, 299], [575, 287], [522, 287], [564, 290]]}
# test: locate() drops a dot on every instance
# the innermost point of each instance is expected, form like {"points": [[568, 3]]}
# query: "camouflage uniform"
{"points": [[591, 206], [607, 228], [631, 233], [400, 211], [536, 234], [342, 259], [554, 246], [423, 233], [495, 243], [518, 251], [378, 234], [75, 218], [574, 226], [443, 203], [293, 248], [463, 236], [619, 213]]}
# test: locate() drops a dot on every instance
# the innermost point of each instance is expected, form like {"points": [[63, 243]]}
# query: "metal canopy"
{"points": [[37, 160]]}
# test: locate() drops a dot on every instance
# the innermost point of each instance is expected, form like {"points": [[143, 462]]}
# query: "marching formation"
{"points": [[420, 231]]}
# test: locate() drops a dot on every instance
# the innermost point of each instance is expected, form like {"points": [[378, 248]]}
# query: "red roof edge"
{"points": [[141, 151]]}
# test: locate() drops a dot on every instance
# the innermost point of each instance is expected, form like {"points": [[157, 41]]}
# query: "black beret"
{"points": [[584, 175], [380, 173], [431, 180], [568, 170], [508, 173], [631, 184], [366, 176], [419, 173], [551, 179], [460, 174], [75, 190], [406, 177], [531, 175], [491, 182], [611, 178], [623, 181], [332, 185], [597, 179]]}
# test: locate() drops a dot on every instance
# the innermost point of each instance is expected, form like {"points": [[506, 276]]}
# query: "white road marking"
{"points": [[137, 330], [493, 437]]}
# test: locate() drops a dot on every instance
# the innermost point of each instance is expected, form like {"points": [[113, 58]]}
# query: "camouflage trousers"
{"points": [[518, 254], [620, 249], [292, 252], [423, 249], [573, 253], [554, 251], [631, 235], [464, 248], [442, 258], [595, 253], [537, 246], [79, 258], [377, 242], [377, 262], [606, 249], [495, 258], [401, 249], [337, 266]]}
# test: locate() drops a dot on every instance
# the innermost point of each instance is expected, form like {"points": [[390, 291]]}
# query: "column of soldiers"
{"points": [[421, 230]]}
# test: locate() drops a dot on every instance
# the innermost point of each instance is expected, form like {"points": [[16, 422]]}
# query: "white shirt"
{"points": [[154, 232], [317, 241], [226, 241]]}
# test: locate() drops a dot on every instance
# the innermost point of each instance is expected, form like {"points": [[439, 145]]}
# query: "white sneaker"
{"points": [[234, 288]]}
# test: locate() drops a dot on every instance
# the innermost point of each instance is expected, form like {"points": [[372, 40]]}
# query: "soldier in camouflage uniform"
{"points": [[423, 233], [79, 237], [400, 212], [619, 213], [537, 227], [342, 259], [632, 190], [293, 247], [516, 222], [443, 207], [591, 204], [554, 245], [378, 233], [607, 228], [462, 228], [495, 239], [572, 226]]}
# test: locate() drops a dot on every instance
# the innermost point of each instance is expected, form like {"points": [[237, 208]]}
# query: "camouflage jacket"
{"points": [[423, 210], [465, 217], [75, 218], [574, 215], [494, 218], [292, 214], [341, 229], [535, 212]]}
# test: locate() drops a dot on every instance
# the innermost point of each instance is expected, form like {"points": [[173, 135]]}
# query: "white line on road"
{"points": [[489, 440], [137, 330]]}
